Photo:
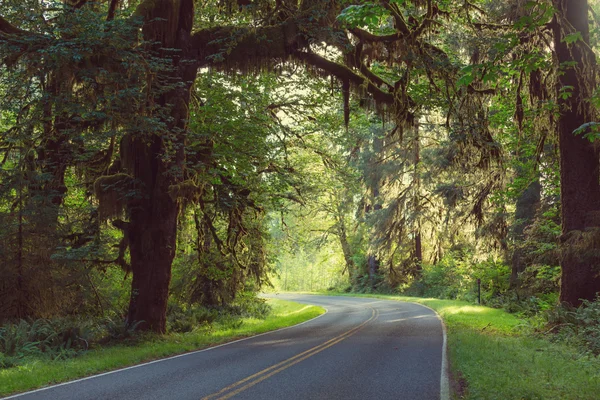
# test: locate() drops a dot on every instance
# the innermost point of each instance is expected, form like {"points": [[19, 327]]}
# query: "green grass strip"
{"points": [[495, 355], [37, 373]]}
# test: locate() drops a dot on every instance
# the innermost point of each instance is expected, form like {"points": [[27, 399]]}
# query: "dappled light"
{"points": [[465, 310], [166, 165]]}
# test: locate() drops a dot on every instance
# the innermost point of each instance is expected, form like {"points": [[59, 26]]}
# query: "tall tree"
{"points": [[579, 165]]}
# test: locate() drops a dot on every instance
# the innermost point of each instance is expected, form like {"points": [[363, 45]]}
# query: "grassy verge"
{"points": [[37, 373], [494, 355]]}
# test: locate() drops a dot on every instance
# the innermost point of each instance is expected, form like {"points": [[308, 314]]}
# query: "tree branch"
{"points": [[369, 37], [344, 73], [9, 29], [243, 48], [401, 24], [112, 9]]}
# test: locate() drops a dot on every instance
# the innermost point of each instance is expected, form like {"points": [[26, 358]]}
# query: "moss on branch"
{"points": [[244, 49]]}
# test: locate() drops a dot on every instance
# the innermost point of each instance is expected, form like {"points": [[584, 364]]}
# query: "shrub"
{"points": [[186, 319], [42, 338], [455, 277], [580, 326]]}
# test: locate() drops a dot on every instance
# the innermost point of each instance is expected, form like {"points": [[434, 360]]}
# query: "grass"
{"points": [[495, 355], [37, 373]]}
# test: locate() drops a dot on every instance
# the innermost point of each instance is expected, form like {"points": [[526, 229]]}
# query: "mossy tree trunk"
{"points": [[156, 162], [580, 188]]}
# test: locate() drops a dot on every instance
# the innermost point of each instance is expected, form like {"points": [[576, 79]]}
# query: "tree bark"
{"points": [[156, 162], [580, 188]]}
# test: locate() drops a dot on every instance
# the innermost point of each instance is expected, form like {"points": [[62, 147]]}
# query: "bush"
{"points": [[246, 304], [42, 338], [540, 279], [455, 277], [186, 319], [580, 326]]}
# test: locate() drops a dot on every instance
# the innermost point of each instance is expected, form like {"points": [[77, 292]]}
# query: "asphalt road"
{"points": [[360, 349]]}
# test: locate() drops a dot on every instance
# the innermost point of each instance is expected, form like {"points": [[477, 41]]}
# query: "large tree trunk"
{"points": [[156, 162], [580, 189], [152, 241]]}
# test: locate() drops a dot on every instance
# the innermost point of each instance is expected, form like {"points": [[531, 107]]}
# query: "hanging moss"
{"points": [[186, 190], [581, 246], [113, 192]]}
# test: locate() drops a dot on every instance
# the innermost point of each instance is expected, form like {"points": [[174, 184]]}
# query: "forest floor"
{"points": [[35, 373], [496, 355]]}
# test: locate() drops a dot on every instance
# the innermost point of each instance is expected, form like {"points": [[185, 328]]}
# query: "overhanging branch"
{"points": [[9, 29], [369, 37], [343, 73], [244, 48]]}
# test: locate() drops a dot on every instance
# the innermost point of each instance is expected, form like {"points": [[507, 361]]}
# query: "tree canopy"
{"points": [[210, 148]]}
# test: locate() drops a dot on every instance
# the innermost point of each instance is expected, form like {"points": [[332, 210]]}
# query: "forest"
{"points": [[163, 162]]}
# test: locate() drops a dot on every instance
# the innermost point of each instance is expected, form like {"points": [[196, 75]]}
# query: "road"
{"points": [[360, 349]]}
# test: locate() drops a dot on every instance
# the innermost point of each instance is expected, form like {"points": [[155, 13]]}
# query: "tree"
{"points": [[394, 57], [579, 166]]}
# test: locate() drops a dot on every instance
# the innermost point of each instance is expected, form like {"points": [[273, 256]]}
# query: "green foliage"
{"points": [[118, 330], [541, 279], [186, 319], [368, 14], [579, 327], [42, 339], [455, 277]]}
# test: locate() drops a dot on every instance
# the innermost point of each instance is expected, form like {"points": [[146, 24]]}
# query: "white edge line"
{"points": [[165, 359], [444, 376]]}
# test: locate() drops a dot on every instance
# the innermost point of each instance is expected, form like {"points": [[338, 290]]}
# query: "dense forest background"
{"points": [[165, 160]]}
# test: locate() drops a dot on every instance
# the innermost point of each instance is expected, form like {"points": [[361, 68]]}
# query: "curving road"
{"points": [[360, 349]]}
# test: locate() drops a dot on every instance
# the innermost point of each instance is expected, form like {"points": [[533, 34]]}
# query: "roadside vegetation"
{"points": [[40, 356]]}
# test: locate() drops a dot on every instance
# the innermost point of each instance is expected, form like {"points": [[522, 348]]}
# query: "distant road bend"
{"points": [[360, 349]]}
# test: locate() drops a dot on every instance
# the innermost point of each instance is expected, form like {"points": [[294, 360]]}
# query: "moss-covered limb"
{"points": [[113, 192], [243, 48], [369, 37], [401, 24], [344, 73], [248, 49], [9, 29]]}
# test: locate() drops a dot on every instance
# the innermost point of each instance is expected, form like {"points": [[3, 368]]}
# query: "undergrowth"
{"points": [[63, 338]]}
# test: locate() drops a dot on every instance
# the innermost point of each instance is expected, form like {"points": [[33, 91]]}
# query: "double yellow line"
{"points": [[246, 383]]}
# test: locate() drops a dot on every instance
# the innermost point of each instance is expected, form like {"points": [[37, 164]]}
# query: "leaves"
{"points": [[589, 130], [572, 38], [363, 15]]}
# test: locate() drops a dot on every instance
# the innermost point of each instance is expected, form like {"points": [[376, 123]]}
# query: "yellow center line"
{"points": [[285, 364]]}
